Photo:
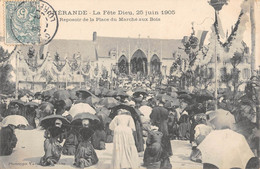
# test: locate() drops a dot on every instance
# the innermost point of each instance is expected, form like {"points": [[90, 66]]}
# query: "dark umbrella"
{"points": [[123, 94], [131, 109], [44, 109], [49, 121], [19, 102], [182, 92], [96, 91], [173, 94], [92, 100], [61, 95], [111, 93], [73, 94], [185, 97], [203, 95], [32, 104], [139, 91], [102, 110], [48, 93], [104, 91], [37, 94], [165, 98], [109, 102], [77, 120], [85, 93], [23, 92]]}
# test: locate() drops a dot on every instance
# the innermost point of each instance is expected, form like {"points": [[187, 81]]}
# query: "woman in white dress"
{"points": [[124, 151]]}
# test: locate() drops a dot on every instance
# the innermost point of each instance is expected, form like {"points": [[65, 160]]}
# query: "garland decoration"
{"points": [[85, 70]]}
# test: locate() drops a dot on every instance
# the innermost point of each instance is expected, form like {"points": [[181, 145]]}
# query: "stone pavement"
{"points": [[29, 150]]}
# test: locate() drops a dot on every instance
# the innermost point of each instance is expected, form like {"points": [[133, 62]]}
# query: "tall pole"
{"points": [[66, 73], [129, 56], [253, 33], [16, 77], [216, 68], [80, 71], [216, 79]]}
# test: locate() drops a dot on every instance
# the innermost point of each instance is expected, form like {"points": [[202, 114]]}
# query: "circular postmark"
{"points": [[34, 23]]}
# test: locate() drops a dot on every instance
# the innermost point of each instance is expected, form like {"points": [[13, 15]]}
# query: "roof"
{"points": [[168, 46], [66, 48], [104, 46]]}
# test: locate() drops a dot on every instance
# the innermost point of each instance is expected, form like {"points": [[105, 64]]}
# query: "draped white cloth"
{"points": [[125, 153]]}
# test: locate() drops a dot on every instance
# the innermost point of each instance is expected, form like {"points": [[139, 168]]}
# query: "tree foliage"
{"points": [[6, 86]]}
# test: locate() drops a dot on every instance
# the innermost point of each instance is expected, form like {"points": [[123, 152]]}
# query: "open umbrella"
{"points": [[61, 95], [203, 95], [48, 93], [132, 110], [122, 94], [49, 121], [185, 97], [3, 96], [84, 92], [96, 91], [139, 91], [77, 120], [109, 102], [225, 149], [111, 93], [80, 108], [221, 118], [73, 94], [23, 92], [104, 91], [102, 110], [85, 115], [166, 98], [32, 104], [92, 100], [182, 92], [173, 94], [18, 102], [171, 104], [14, 120], [173, 89]]}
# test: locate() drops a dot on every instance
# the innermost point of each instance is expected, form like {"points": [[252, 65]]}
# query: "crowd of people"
{"points": [[134, 113]]}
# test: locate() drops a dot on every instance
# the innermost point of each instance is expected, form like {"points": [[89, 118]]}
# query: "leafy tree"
{"points": [[6, 86]]}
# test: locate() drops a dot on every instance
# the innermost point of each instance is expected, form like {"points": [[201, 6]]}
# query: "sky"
{"points": [[170, 27]]}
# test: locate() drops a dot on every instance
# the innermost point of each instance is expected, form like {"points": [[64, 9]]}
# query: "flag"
{"points": [[43, 51], [201, 35]]}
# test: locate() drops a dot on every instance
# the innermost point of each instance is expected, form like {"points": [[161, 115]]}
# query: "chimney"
{"points": [[94, 36]]}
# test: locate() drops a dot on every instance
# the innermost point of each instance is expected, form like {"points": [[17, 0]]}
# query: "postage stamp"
{"points": [[29, 22]]}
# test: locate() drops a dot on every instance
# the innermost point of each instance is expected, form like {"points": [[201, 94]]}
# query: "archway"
{"points": [[155, 65], [139, 62], [123, 65]]}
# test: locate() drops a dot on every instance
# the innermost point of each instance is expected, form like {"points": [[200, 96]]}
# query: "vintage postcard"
{"points": [[129, 84]]}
